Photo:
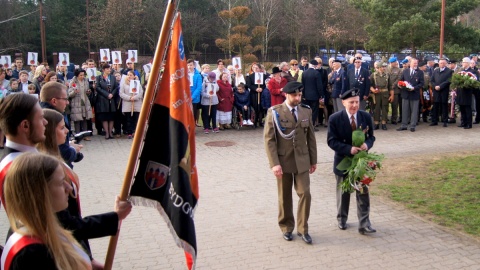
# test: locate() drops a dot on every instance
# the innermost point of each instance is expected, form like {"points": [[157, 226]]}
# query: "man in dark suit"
{"points": [[440, 81], [303, 63], [337, 80], [411, 97], [464, 97], [312, 89], [323, 112], [340, 127], [292, 154], [357, 77], [363, 64]]}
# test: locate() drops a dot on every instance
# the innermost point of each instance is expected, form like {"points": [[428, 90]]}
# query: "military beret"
{"points": [[392, 59], [452, 61], [423, 63], [404, 61], [337, 61], [473, 54], [354, 92], [384, 64], [293, 87], [314, 62]]}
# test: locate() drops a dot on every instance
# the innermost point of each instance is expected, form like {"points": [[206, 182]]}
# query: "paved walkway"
{"points": [[237, 212]]}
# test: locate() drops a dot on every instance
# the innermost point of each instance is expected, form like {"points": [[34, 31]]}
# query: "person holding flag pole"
{"points": [[162, 163]]}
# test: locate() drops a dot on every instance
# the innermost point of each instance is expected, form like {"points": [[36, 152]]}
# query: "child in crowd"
{"points": [[209, 103], [205, 71], [242, 103], [13, 87], [31, 88]]}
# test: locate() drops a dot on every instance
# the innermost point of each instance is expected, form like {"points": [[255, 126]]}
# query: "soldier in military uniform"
{"points": [[394, 73], [383, 94], [292, 154]]}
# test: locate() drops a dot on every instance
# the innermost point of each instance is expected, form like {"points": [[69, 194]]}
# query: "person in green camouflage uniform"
{"points": [[383, 94], [394, 73]]}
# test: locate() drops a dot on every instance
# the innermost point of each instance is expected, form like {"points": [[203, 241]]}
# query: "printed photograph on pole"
{"points": [[237, 62], [92, 74], [104, 55], [134, 86], [133, 56], [147, 68], [116, 57], [258, 78], [64, 59], [6, 61], [32, 58]]}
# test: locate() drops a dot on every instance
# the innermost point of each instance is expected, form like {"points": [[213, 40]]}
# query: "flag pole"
{"points": [[142, 119]]}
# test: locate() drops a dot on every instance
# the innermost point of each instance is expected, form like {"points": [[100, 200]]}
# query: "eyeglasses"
{"points": [[63, 98], [294, 64]]}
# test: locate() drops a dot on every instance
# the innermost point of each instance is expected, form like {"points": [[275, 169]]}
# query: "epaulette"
{"points": [[276, 106], [305, 106]]}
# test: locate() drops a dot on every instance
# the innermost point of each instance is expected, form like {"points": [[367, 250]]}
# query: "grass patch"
{"points": [[444, 189]]}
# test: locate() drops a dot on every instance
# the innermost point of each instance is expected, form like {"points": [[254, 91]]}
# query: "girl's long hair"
{"points": [[50, 145], [38, 71], [29, 206]]}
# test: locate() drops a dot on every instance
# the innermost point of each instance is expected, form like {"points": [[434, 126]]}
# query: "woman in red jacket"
{"points": [[225, 102], [275, 85]]}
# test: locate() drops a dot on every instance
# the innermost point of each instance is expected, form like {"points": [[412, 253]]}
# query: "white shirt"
{"points": [[350, 118], [290, 109]]}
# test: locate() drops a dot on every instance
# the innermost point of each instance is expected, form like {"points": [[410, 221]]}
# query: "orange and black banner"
{"points": [[167, 177]]}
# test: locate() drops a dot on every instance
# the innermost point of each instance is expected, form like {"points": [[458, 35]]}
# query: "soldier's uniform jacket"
{"points": [[394, 75], [380, 81], [295, 155]]}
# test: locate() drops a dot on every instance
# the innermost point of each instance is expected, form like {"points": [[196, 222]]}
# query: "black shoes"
{"points": [[412, 129], [288, 236], [394, 122], [467, 127], [342, 225], [433, 124], [366, 230], [445, 125], [461, 125], [401, 128], [476, 122], [384, 126], [377, 126], [305, 237]]}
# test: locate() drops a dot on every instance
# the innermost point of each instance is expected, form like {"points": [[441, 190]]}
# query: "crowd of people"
{"points": [[38, 186], [428, 98], [37, 109]]}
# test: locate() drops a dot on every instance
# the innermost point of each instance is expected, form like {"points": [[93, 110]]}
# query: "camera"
{"points": [[78, 137]]}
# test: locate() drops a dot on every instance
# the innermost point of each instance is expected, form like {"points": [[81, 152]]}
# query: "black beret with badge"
{"points": [[354, 92], [293, 88]]}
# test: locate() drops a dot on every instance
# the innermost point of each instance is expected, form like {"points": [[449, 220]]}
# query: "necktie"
{"points": [[294, 116], [354, 126], [356, 73], [411, 73]]}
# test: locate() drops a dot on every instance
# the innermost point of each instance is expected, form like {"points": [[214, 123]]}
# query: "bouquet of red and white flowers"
{"points": [[405, 84], [361, 168], [465, 79]]}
